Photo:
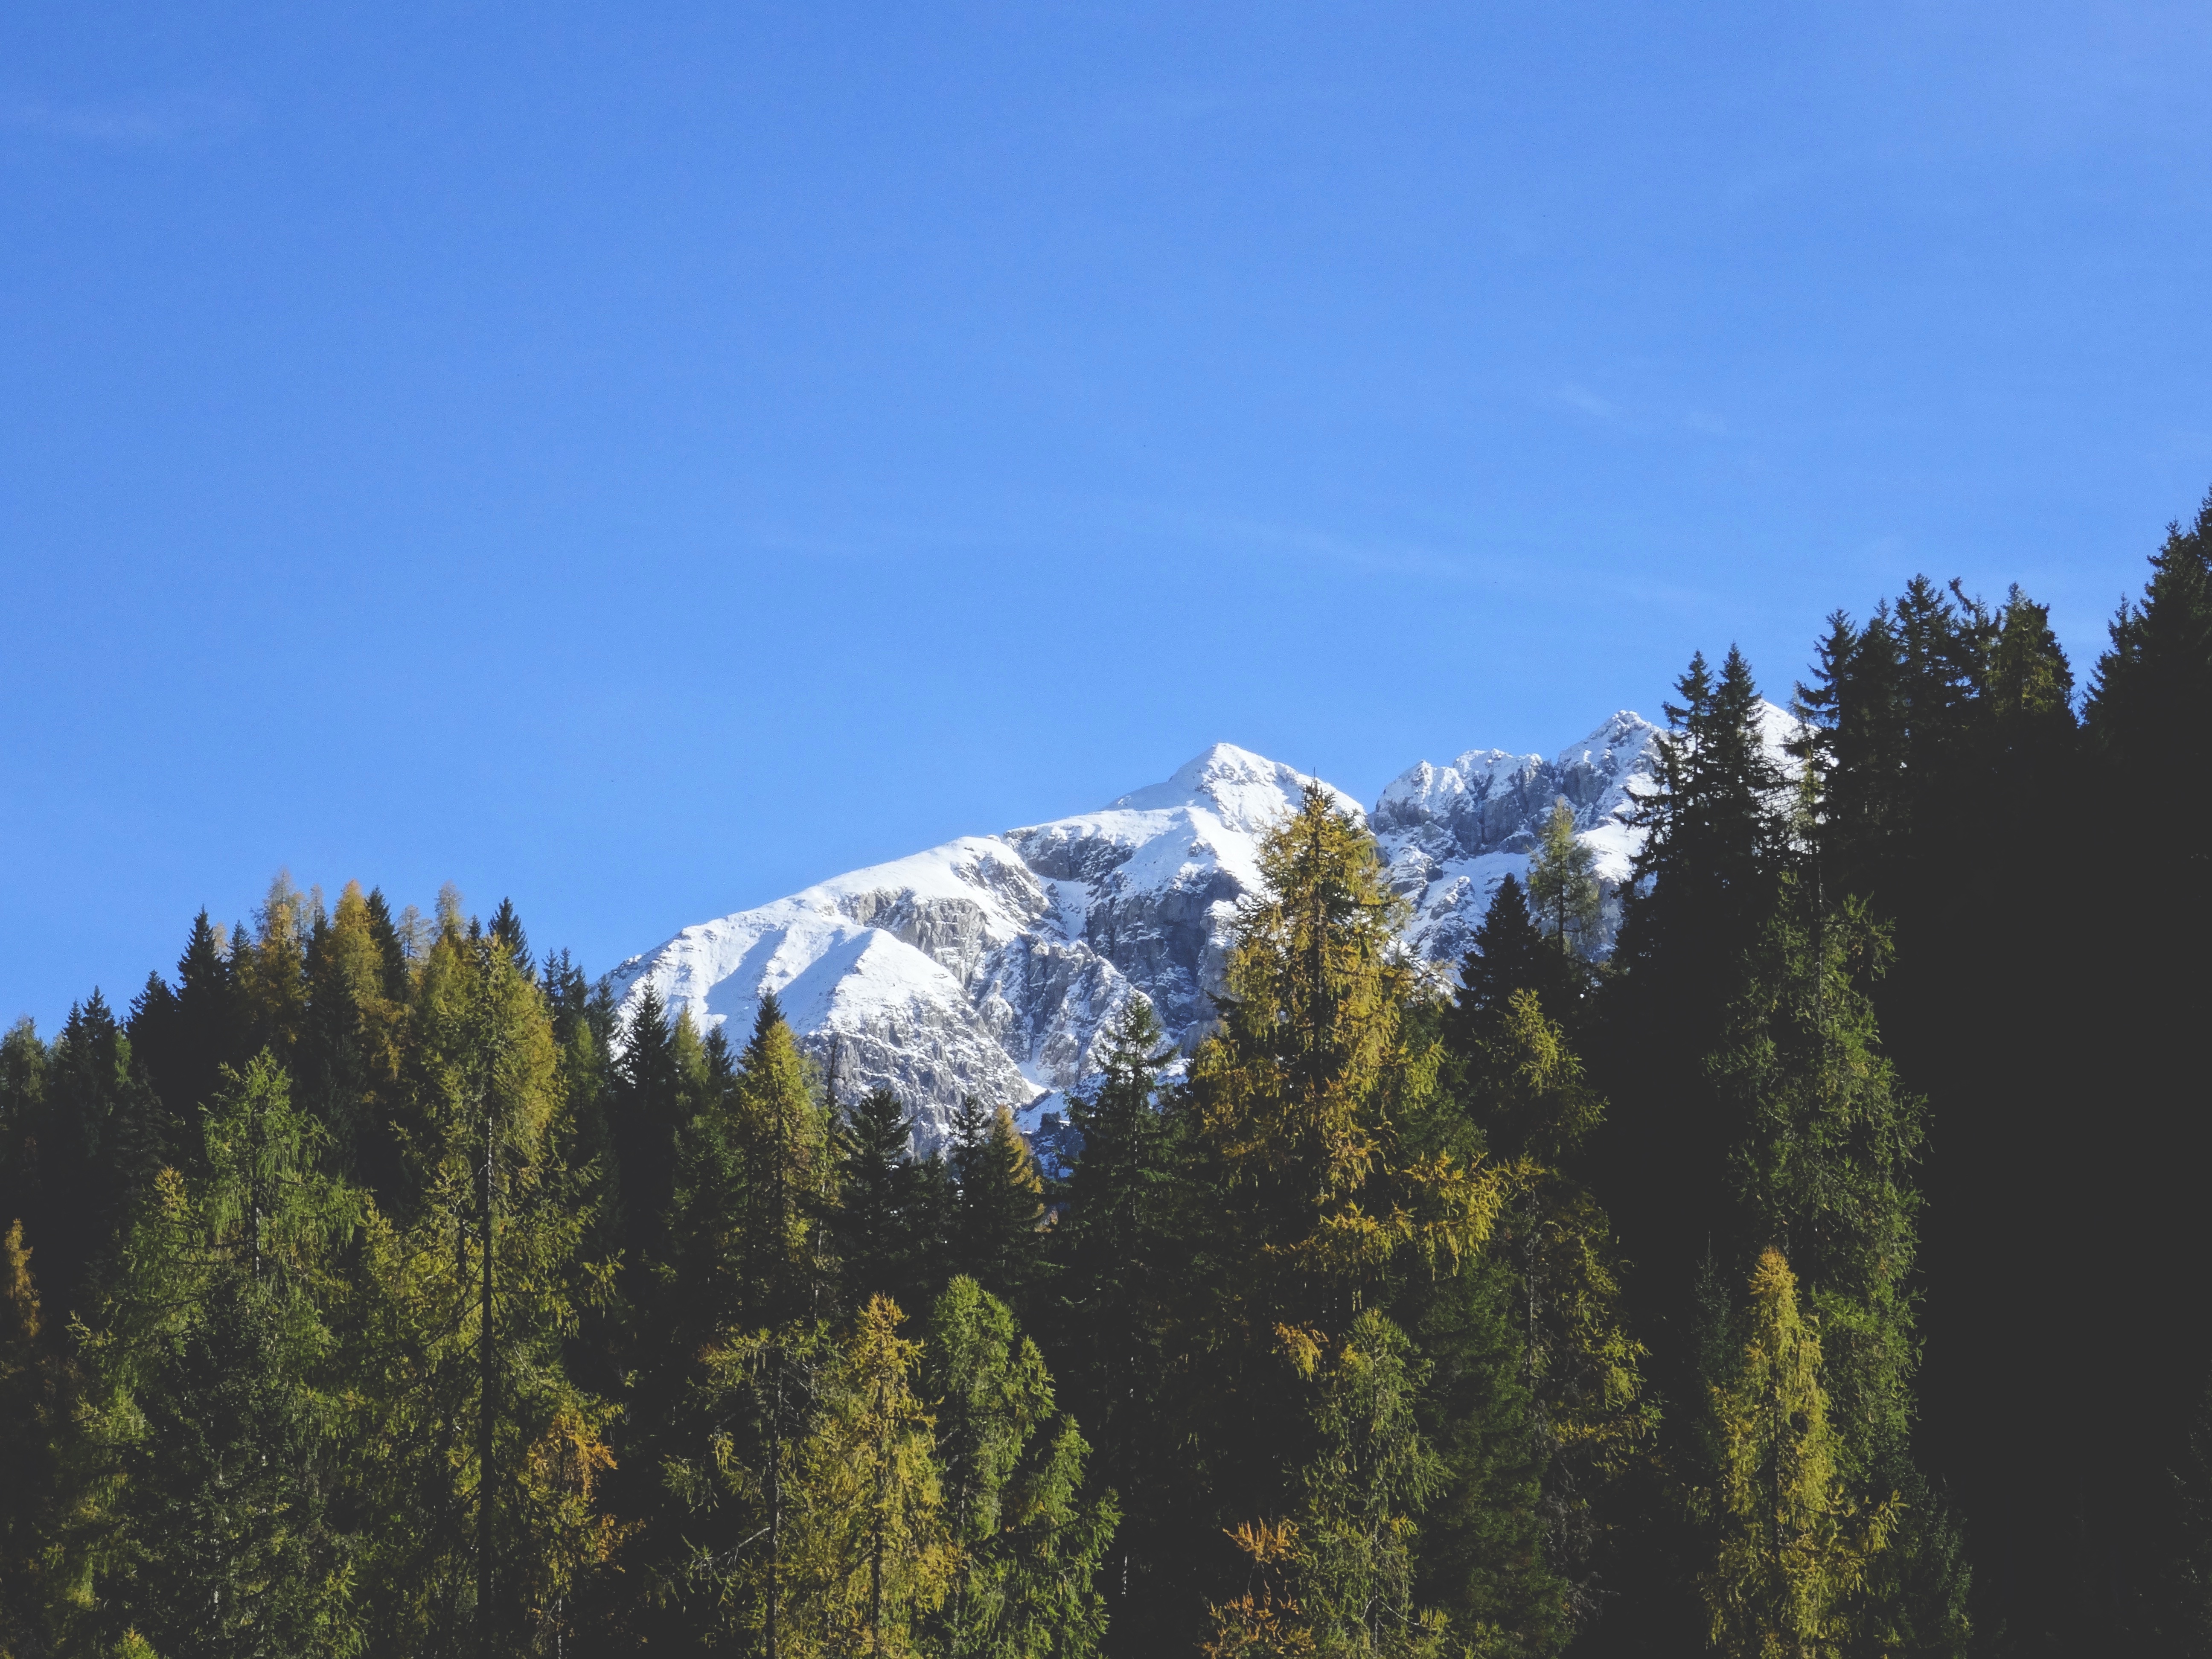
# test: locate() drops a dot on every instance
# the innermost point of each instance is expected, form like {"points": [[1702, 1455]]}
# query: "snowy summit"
{"points": [[991, 965]]}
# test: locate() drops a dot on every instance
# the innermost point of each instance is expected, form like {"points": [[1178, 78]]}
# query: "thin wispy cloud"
{"points": [[1580, 399], [129, 124]]}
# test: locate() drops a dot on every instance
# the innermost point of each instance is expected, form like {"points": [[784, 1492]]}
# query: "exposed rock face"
{"points": [[991, 965], [1452, 833]]}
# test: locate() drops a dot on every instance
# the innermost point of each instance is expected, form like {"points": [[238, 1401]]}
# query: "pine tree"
{"points": [[1791, 1549]]}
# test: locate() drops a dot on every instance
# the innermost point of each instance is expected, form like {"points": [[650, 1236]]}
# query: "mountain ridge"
{"points": [[991, 964]]}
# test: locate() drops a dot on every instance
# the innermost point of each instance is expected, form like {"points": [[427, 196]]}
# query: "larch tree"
{"points": [[1561, 889], [1791, 1547], [496, 1453]]}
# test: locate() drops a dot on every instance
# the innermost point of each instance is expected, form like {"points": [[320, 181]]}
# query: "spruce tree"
{"points": [[1118, 1263], [880, 1203], [94, 1147], [647, 1114], [1510, 954], [1000, 1204], [216, 1402], [1028, 1546]]}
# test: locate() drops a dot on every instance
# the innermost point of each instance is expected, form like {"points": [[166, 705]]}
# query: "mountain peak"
{"points": [[995, 965], [1246, 791]]}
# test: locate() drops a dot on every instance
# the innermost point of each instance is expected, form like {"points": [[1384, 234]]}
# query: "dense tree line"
{"points": [[1814, 1276]]}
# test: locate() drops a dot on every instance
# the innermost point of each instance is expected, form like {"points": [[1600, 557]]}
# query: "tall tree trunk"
{"points": [[485, 1406]]}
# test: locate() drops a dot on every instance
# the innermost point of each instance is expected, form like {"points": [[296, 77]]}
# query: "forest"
{"points": [[1823, 1273]]}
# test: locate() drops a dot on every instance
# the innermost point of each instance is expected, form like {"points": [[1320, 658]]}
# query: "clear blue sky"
{"points": [[643, 459]]}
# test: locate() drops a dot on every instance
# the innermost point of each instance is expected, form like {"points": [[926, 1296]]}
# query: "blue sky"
{"points": [[641, 459]]}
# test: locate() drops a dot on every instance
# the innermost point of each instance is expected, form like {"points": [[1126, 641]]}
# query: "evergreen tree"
{"points": [[647, 1113], [1351, 1551], [38, 1484], [1510, 955], [214, 1401], [1577, 1360], [880, 1244], [1028, 1547], [1826, 1166], [185, 1037], [22, 1116], [753, 1248], [1000, 1204], [507, 928], [91, 1152], [1117, 1262]]}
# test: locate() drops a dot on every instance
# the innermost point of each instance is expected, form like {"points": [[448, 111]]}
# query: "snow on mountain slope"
{"points": [[991, 965]]}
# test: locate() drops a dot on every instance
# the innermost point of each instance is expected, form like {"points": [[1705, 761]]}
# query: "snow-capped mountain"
{"points": [[991, 965]]}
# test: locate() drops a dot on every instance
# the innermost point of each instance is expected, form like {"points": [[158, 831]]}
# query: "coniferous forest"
{"points": [[1823, 1273]]}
